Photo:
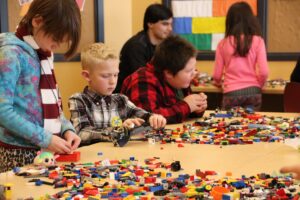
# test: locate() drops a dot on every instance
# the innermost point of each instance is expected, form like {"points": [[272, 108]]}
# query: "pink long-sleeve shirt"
{"points": [[240, 72]]}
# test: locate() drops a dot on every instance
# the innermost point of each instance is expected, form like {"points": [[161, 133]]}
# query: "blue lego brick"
{"points": [[156, 188]]}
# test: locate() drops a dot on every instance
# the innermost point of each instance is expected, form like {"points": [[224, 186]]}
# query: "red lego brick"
{"points": [[180, 145], [139, 172], [150, 179], [114, 162], [74, 157], [253, 116]]}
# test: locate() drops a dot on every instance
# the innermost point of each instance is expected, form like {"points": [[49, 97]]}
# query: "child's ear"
{"points": [[168, 74], [86, 75], [37, 22]]}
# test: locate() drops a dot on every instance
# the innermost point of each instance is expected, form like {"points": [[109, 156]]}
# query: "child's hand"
{"points": [[203, 104], [196, 102], [157, 121], [72, 139], [59, 145], [131, 122], [217, 84], [294, 169]]}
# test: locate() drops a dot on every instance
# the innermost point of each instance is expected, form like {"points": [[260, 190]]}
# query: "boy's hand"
{"points": [[132, 122], [157, 121], [196, 102], [203, 104], [59, 145], [294, 169], [72, 139]]}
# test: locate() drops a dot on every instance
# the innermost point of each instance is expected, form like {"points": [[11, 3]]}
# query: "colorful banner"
{"points": [[202, 22]]}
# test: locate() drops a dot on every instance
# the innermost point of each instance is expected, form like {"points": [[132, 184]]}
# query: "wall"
{"points": [[68, 76], [117, 22], [283, 26], [138, 9]]}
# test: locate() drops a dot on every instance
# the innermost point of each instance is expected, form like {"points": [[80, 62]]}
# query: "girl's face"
{"points": [[43, 40], [184, 77]]}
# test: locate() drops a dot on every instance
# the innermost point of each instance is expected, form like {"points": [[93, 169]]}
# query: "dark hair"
{"points": [[60, 18], [173, 54], [155, 13], [242, 25]]}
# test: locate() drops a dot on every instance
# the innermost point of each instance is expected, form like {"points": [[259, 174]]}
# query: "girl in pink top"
{"points": [[241, 59]]}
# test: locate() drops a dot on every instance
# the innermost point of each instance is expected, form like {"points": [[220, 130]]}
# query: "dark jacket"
{"points": [[135, 53]]}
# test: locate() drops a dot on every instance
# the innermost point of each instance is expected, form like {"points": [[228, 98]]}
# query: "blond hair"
{"points": [[96, 53]]}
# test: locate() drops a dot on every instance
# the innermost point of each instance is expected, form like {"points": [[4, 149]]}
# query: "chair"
{"points": [[291, 97]]}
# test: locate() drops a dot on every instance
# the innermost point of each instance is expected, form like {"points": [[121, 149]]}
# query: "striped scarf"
{"points": [[51, 101]]}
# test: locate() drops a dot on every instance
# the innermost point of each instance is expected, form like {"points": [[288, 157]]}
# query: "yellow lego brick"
{"points": [[130, 197], [126, 174]]}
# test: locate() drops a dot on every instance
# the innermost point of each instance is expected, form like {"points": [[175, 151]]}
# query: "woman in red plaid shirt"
{"points": [[163, 86]]}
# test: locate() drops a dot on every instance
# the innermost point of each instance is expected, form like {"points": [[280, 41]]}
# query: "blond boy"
{"points": [[93, 110]]}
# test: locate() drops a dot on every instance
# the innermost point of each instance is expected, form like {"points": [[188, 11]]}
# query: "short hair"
{"points": [[173, 54], [60, 18], [96, 53], [155, 13]]}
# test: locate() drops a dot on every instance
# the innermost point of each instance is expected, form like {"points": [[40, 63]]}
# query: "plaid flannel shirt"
{"points": [[151, 92], [91, 114]]}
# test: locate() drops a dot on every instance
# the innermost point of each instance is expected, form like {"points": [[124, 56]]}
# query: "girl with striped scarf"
{"points": [[30, 106]]}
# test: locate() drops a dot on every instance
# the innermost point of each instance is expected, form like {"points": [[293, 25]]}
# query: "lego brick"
{"points": [[74, 157]]}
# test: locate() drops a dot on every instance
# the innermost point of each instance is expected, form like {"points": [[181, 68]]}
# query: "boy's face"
{"points": [[184, 77], [103, 77]]}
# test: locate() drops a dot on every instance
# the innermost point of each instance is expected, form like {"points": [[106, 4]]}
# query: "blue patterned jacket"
{"points": [[21, 117]]}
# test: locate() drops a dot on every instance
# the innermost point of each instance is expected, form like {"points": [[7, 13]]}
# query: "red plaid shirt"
{"points": [[152, 93]]}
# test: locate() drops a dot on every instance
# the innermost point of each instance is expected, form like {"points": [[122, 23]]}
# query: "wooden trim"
{"points": [[3, 16], [276, 56], [99, 20], [58, 57]]}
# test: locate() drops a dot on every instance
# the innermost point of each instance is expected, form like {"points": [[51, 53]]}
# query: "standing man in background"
{"points": [[139, 49]]}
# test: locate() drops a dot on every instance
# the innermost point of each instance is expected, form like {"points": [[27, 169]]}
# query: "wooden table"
{"points": [[278, 89], [238, 159], [272, 97]]}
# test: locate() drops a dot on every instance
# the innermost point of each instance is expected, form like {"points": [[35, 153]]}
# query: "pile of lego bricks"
{"points": [[126, 179], [205, 79], [273, 83], [202, 79], [232, 128]]}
